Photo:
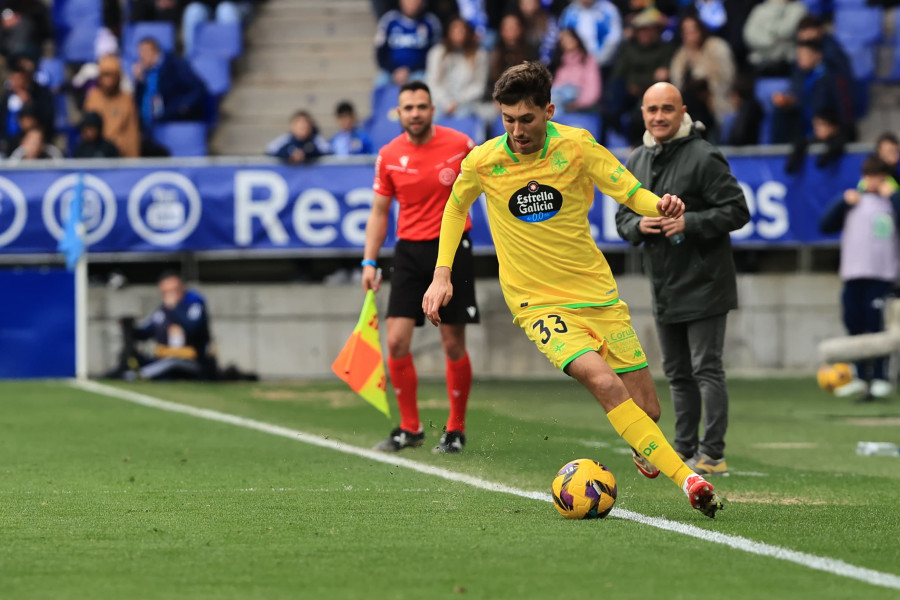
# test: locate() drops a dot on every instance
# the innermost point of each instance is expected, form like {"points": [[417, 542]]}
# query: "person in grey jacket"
{"points": [[691, 268]]}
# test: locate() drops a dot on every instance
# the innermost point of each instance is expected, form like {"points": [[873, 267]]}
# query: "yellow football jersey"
{"points": [[537, 207]]}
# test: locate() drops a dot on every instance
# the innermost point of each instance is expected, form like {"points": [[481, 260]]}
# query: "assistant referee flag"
{"points": [[360, 363]]}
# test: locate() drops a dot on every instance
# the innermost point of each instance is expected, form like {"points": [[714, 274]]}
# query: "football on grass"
{"points": [[831, 377], [584, 489]]}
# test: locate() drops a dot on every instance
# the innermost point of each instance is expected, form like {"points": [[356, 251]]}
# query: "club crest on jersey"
{"points": [[535, 202]]}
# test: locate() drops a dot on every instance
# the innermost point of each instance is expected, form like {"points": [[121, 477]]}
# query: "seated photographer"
{"points": [[180, 328]]}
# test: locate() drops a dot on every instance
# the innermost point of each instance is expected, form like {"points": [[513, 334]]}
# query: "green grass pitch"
{"points": [[102, 498]]}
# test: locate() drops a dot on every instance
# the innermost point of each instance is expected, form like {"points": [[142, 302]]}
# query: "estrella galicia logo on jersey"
{"points": [[535, 202]]}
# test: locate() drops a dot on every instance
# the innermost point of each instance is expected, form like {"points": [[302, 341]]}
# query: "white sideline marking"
{"points": [[811, 561]]}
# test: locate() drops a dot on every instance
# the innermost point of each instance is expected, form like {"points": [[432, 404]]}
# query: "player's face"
{"points": [[416, 112], [172, 291], [526, 125], [663, 111]]}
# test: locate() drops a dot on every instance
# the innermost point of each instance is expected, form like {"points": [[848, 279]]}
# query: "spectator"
{"points": [[457, 71], [704, 57], [92, 143], [24, 27], [769, 33], [691, 266], [166, 88], [302, 143], [814, 89], [21, 89], [512, 48], [34, 147], [748, 114], [642, 61], [202, 11], [86, 78], [402, 42], [540, 27], [180, 329], [887, 148], [812, 28], [351, 138], [826, 129], [867, 219], [116, 108], [576, 75], [599, 26]]}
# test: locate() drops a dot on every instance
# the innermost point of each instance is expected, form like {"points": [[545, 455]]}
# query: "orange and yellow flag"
{"points": [[360, 363]]}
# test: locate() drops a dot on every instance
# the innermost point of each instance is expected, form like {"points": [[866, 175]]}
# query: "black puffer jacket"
{"points": [[694, 279]]}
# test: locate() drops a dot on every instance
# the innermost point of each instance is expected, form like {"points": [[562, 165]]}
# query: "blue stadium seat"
{"points": [[71, 12], [384, 100], [763, 90], [77, 44], [857, 26], [614, 139], [589, 121], [218, 39], [162, 32], [182, 138], [862, 59], [51, 73], [815, 7], [472, 125], [214, 71], [382, 130]]}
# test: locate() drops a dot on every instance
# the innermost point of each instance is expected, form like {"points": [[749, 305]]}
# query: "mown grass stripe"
{"points": [[811, 561]]}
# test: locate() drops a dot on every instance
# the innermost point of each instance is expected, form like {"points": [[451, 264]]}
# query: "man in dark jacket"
{"points": [[691, 268], [166, 87]]}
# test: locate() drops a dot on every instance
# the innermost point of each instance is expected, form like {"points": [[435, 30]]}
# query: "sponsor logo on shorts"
{"points": [[535, 202]]}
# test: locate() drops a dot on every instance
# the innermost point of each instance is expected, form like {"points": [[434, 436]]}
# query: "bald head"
{"points": [[663, 110]]}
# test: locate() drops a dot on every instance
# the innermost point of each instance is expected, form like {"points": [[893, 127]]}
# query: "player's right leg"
{"points": [[639, 430]]}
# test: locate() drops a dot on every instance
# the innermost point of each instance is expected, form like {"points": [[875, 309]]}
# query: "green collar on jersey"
{"points": [[552, 132]]}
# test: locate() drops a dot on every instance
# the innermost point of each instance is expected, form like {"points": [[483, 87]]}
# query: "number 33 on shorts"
{"points": [[564, 334]]}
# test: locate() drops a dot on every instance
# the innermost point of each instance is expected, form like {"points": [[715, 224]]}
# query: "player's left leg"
{"points": [[459, 385]]}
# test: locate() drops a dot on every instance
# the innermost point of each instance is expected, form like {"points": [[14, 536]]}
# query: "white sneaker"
{"points": [[880, 388], [856, 386]]}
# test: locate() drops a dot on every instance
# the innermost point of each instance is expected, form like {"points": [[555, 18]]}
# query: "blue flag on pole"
{"points": [[71, 243]]}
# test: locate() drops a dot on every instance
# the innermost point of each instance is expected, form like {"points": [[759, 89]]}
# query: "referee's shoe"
{"points": [[452, 442], [400, 439]]}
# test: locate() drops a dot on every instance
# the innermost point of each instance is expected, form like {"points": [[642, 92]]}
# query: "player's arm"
{"points": [[613, 179], [464, 193], [376, 232]]}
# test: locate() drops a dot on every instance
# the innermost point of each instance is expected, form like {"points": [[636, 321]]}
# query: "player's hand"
{"points": [[371, 278], [672, 226], [851, 197], [670, 206], [650, 225], [437, 295]]}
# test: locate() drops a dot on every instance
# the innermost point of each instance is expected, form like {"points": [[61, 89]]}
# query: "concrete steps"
{"points": [[299, 54]]}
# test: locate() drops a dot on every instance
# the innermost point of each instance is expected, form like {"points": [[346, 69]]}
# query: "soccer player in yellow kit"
{"points": [[539, 182]]}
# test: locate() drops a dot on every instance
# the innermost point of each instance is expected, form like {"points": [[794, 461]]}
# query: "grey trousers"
{"points": [[692, 362]]}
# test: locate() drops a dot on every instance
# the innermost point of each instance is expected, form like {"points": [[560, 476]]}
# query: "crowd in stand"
{"points": [[121, 95], [603, 54]]}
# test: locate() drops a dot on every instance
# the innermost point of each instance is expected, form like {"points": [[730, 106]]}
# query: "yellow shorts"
{"points": [[564, 334]]}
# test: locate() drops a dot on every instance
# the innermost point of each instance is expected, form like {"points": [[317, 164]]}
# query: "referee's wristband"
{"points": [[368, 262]]}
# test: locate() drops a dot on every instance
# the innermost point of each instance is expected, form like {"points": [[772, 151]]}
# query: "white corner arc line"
{"points": [[811, 561]]}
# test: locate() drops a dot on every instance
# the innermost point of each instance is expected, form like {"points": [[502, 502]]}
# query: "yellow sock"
{"points": [[639, 430]]}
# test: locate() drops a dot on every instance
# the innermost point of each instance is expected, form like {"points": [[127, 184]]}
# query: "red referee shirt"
{"points": [[421, 177]]}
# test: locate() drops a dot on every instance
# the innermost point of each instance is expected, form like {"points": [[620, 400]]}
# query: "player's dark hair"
{"points": [[414, 86], [529, 81], [887, 136], [873, 165], [168, 273]]}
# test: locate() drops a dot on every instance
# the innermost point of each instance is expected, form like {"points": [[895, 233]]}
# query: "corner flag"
{"points": [[71, 243], [360, 363]]}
